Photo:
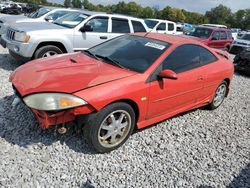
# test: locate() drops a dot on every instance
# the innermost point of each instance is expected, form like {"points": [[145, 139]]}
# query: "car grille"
{"points": [[10, 34]]}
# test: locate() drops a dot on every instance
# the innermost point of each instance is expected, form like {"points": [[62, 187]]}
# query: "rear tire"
{"points": [[109, 128], [219, 96], [47, 51]]}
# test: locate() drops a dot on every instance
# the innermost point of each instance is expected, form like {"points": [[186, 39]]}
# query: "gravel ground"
{"points": [[197, 149]]}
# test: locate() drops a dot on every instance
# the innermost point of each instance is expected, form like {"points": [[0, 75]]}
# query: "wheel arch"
{"points": [[54, 43], [132, 103], [227, 80]]}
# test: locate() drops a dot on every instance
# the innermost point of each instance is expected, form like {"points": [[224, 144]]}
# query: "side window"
{"points": [[223, 35], [170, 26], [216, 35], [161, 27], [99, 24], [120, 25], [206, 57], [183, 58], [229, 34], [138, 27]]}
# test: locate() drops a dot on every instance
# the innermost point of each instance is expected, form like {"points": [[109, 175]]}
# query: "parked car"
{"points": [[73, 32], [13, 9], [242, 61], [235, 32], [179, 29], [240, 44], [213, 36], [161, 26], [129, 82], [42, 15]]}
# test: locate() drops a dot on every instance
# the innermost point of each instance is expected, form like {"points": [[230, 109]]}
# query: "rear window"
{"points": [[206, 56], [138, 27], [120, 25]]}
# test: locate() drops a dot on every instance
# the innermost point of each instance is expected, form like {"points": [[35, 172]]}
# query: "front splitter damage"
{"points": [[48, 119]]}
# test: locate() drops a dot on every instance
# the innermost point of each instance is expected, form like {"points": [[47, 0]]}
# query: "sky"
{"points": [[200, 6]]}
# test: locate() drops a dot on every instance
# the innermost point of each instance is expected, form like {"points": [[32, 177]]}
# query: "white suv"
{"points": [[72, 32], [240, 44], [161, 26]]}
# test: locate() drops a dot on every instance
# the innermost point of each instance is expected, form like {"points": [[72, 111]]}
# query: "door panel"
{"points": [[168, 95]]}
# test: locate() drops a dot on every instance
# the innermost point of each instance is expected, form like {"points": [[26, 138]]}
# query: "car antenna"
{"points": [[148, 33]]}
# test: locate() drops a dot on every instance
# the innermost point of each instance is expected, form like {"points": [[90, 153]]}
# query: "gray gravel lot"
{"points": [[197, 149]]}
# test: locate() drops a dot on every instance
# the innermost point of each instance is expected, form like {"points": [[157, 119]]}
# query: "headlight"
{"points": [[21, 37], [53, 101]]}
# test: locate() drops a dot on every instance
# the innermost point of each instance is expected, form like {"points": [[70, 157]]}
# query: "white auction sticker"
{"points": [[155, 45]]}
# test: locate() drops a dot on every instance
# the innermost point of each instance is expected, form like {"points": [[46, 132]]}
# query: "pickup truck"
{"points": [[73, 32]]}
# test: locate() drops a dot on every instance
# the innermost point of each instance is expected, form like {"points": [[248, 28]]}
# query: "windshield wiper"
{"points": [[91, 54], [112, 61]]}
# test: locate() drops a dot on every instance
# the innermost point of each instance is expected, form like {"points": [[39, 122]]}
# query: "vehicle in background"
{"points": [[41, 15], [29, 8], [179, 29], [73, 32], [124, 84], [240, 44], [242, 61], [215, 25], [14, 9], [235, 32], [161, 26], [241, 33], [213, 36]]}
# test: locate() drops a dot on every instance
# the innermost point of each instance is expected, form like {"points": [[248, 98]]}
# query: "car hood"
{"points": [[26, 27], [65, 73]]}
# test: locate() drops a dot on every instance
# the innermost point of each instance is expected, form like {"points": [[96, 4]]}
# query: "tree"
{"points": [[77, 3], [219, 15], [67, 3]]}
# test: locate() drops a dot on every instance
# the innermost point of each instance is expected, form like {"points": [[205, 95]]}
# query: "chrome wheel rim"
{"points": [[49, 53], [114, 128], [220, 95]]}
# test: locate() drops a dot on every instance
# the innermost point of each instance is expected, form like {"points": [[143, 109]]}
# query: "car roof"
{"points": [[159, 20], [173, 39], [214, 28]]}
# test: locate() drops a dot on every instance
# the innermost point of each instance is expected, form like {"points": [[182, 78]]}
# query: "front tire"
{"points": [[47, 51], [219, 96], [110, 127]]}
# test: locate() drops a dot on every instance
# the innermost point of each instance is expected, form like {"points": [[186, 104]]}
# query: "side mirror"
{"points": [[86, 28], [48, 18], [168, 74]]}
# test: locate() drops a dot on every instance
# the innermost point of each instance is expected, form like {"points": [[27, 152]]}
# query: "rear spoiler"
{"points": [[222, 53]]}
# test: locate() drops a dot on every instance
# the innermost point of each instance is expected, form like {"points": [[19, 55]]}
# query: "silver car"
{"points": [[41, 15], [72, 32]]}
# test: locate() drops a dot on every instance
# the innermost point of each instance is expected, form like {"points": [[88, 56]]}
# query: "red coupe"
{"points": [[129, 82]]}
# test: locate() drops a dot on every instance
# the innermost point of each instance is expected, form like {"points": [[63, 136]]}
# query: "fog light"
{"points": [[16, 48]]}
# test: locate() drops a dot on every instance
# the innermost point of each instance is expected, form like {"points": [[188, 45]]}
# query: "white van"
{"points": [[161, 26]]}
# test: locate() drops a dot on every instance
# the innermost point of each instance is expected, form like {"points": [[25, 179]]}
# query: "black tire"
{"points": [[93, 128], [45, 49], [213, 105]]}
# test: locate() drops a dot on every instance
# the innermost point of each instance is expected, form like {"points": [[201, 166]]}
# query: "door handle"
{"points": [[103, 37]]}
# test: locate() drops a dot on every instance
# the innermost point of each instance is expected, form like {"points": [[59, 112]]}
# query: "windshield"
{"points": [[71, 20], [131, 52], [40, 12], [151, 23], [202, 32], [245, 37]]}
